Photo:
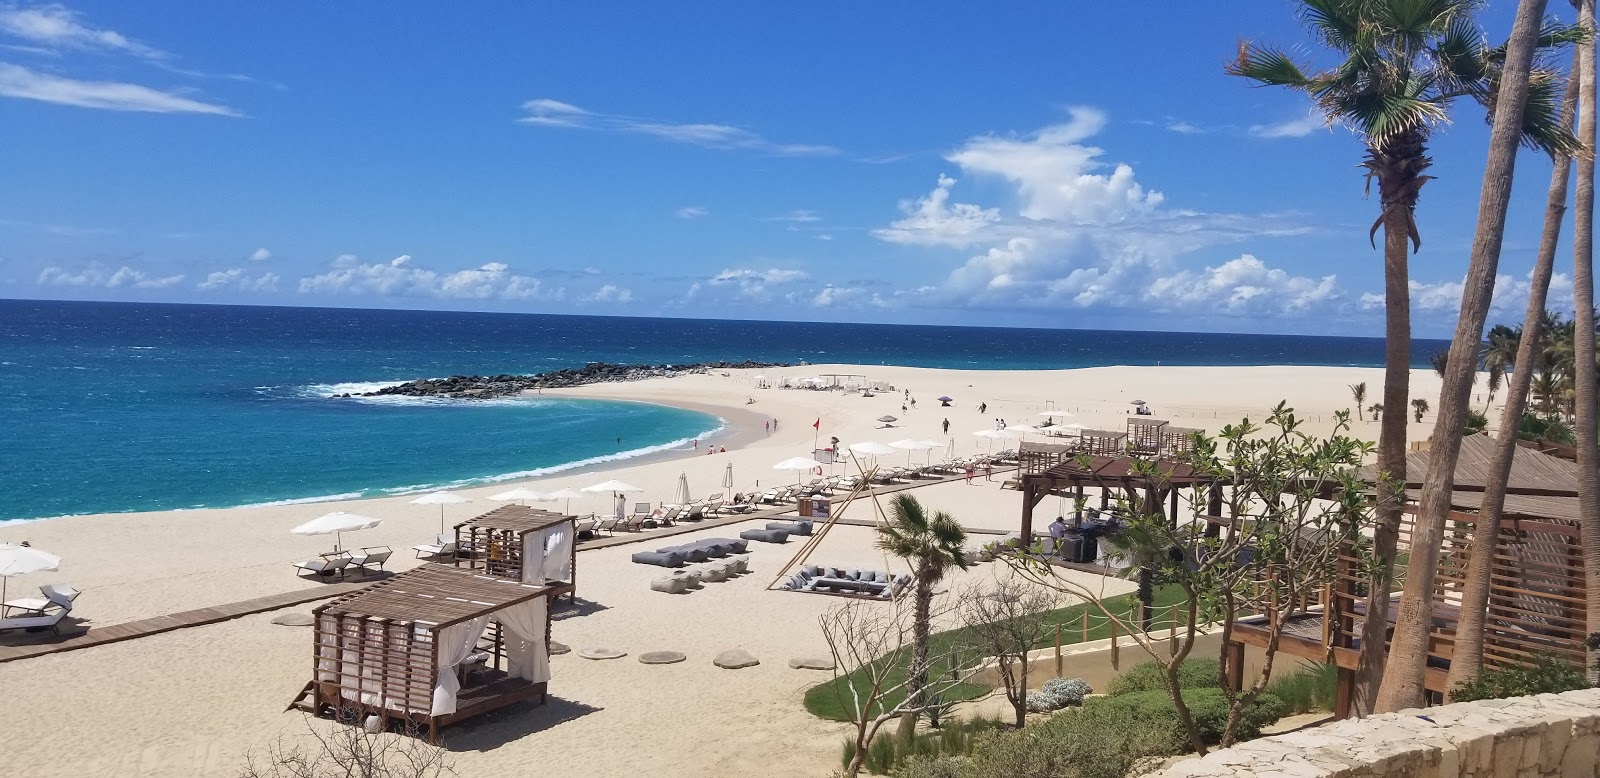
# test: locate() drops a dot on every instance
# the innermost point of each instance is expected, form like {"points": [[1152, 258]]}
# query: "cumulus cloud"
{"points": [[691, 212], [237, 278], [611, 294], [95, 275], [830, 295], [22, 83], [1086, 232], [1299, 127], [260, 255], [400, 277], [1510, 296], [545, 112], [755, 283]]}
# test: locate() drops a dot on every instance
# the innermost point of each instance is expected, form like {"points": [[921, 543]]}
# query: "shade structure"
{"points": [[557, 495], [994, 435], [518, 495], [1137, 402], [441, 499], [611, 486], [798, 465], [680, 496], [887, 420], [22, 560], [1024, 429], [336, 524], [909, 445], [946, 398], [872, 448], [727, 478]]}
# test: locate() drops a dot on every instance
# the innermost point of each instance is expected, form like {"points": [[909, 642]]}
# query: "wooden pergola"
{"points": [[1537, 588], [1108, 443], [1114, 474], [499, 541], [431, 646], [1144, 435]]}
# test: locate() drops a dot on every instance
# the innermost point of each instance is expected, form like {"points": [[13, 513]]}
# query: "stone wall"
{"points": [[1547, 736]]}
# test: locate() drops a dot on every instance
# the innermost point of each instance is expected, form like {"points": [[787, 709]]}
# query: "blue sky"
{"points": [[1033, 164]]}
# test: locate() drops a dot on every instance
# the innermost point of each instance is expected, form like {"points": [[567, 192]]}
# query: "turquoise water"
{"points": [[109, 407]]}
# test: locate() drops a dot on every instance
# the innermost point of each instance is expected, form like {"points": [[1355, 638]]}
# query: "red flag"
{"points": [[817, 424]]}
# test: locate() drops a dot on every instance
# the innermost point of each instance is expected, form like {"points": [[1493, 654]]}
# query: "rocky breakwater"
{"points": [[477, 387]]}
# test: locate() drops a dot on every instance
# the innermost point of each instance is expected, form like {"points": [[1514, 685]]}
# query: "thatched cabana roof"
{"points": [[515, 519], [1531, 472], [434, 596]]}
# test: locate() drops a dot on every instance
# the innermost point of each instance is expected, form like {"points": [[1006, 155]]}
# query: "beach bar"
{"points": [[522, 544], [431, 646]]}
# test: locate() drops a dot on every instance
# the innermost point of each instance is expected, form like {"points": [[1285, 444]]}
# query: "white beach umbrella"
{"points": [[872, 448], [680, 496], [336, 524], [557, 495], [1024, 429], [798, 465], [727, 477], [616, 488], [21, 560], [441, 499], [911, 445], [518, 495], [994, 435]]}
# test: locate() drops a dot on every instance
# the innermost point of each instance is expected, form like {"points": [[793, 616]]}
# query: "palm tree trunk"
{"points": [[1467, 658], [1403, 680], [1147, 598], [1583, 349], [1392, 423], [917, 674]]}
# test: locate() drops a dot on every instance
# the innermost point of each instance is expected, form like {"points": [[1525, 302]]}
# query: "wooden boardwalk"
{"points": [[39, 644]]}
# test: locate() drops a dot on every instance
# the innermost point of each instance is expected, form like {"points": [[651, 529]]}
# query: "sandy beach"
{"points": [[193, 702]]}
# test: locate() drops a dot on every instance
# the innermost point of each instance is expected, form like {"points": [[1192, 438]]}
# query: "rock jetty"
{"points": [[470, 387]]}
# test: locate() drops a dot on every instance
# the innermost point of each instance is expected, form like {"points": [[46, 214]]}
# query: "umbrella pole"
{"points": [[441, 518]]}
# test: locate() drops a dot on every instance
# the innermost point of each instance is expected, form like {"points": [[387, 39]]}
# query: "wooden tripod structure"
{"points": [[863, 485]]}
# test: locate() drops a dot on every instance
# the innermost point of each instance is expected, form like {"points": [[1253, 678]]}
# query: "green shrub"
{"points": [[1192, 674], [886, 755], [1311, 688], [1207, 707], [1546, 675]]}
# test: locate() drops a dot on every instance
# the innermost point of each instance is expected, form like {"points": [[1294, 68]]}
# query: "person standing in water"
{"points": [[947, 426]]}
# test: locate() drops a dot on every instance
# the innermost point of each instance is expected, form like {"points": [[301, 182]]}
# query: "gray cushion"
{"points": [[812, 570], [766, 535], [662, 558], [880, 577]]}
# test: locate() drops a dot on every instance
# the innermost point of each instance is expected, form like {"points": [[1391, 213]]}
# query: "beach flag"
{"points": [[817, 424]]}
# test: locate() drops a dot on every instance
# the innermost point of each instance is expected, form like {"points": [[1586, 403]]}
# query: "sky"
{"points": [[1036, 164]]}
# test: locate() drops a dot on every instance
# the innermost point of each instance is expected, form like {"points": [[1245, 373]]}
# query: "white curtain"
{"points": [[558, 554], [533, 551], [454, 644], [527, 654], [327, 649]]}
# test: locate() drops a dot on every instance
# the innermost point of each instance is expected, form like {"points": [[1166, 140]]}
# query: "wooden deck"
{"points": [[39, 644]]}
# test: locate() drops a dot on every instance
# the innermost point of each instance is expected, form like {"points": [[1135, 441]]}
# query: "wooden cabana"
{"points": [[1536, 592], [1113, 474], [1177, 441], [524, 544], [1144, 435], [431, 646], [1039, 457], [1108, 443]]}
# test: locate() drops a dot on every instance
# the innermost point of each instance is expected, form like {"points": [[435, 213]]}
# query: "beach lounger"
{"points": [[609, 524], [50, 620], [57, 595], [585, 526], [641, 511], [444, 547], [369, 560], [326, 566]]}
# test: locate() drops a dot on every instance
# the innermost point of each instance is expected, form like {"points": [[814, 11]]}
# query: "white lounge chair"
{"points": [[58, 595], [609, 523], [585, 525], [368, 558], [326, 566], [50, 620]]}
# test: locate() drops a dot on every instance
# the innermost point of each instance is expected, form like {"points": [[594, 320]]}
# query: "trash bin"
{"points": [[1072, 546]]}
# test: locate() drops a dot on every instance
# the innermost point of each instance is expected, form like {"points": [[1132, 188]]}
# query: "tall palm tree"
{"points": [[1512, 96], [932, 545], [1583, 357], [1404, 63], [1513, 350], [1359, 392]]}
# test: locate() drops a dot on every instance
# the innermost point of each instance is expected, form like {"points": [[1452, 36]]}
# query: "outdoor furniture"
{"points": [[800, 528], [609, 524], [445, 548], [326, 566], [60, 595], [766, 535], [586, 527], [670, 584], [847, 582], [661, 558], [370, 559], [641, 511], [36, 623]]}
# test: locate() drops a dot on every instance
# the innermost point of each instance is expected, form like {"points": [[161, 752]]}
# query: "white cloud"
{"points": [[1293, 128], [260, 255], [1087, 233], [796, 217], [831, 295], [754, 283], [20, 82], [95, 275], [240, 279], [1185, 128], [691, 212], [58, 27], [544, 112], [1510, 296], [399, 277], [823, 236], [611, 294]]}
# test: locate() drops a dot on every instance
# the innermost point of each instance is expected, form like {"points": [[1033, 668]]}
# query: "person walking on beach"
{"points": [[969, 475], [947, 426], [983, 407], [988, 471], [774, 425], [767, 425]]}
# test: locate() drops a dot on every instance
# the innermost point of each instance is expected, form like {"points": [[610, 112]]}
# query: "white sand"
{"points": [[192, 702]]}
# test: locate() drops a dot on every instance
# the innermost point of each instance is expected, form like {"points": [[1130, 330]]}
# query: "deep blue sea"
{"points": [[109, 407]]}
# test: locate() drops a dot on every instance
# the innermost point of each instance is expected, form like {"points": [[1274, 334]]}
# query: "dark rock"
{"points": [[463, 387]]}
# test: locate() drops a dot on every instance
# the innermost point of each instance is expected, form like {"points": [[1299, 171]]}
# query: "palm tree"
{"points": [[1404, 64], [1521, 101], [1439, 360], [1513, 350], [1359, 392], [1377, 411], [1583, 357], [1419, 408], [932, 545]]}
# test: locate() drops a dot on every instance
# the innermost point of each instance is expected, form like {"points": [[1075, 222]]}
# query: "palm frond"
{"points": [[1462, 55], [1380, 117], [1268, 66], [1542, 128], [1335, 22], [1411, 23]]}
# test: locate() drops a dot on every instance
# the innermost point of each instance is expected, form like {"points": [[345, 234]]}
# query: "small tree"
{"points": [[1292, 506], [933, 544], [871, 644], [1376, 409], [349, 750], [1005, 621], [1419, 408], [1359, 392]]}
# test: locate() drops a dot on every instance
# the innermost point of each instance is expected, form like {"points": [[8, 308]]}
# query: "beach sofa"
{"points": [[852, 582], [801, 528], [766, 535], [681, 581], [690, 553]]}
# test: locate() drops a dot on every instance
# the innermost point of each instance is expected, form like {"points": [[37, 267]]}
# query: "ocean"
{"points": [[111, 407]]}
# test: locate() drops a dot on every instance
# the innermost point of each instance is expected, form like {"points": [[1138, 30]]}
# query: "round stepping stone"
{"points": [[294, 620], [811, 664], [557, 649], [602, 653], [735, 659], [661, 658]]}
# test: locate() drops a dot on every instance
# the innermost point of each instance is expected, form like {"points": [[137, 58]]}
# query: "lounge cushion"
{"points": [[662, 558], [766, 535], [690, 552], [670, 584], [792, 527]]}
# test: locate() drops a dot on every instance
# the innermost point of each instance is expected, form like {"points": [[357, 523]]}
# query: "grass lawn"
{"points": [[831, 700]]}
